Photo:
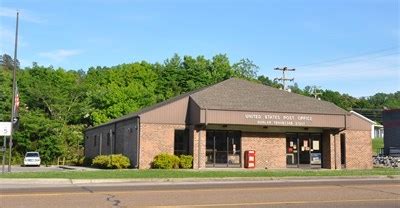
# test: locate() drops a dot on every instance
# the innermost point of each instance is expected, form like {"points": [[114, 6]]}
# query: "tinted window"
{"points": [[181, 144], [32, 154]]}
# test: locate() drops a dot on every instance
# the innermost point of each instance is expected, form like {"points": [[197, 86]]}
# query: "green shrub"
{"points": [[186, 161], [120, 162], [78, 161], [111, 161], [166, 161], [87, 161]]}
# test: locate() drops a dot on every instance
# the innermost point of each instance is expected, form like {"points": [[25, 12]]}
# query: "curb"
{"points": [[55, 181]]}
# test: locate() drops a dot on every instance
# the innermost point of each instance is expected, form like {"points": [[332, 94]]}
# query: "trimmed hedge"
{"points": [[186, 161], [166, 161], [117, 161]]}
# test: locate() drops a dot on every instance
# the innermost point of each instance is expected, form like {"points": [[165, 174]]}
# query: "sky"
{"points": [[350, 46]]}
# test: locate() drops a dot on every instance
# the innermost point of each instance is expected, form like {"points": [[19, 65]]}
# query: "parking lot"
{"points": [[43, 168], [16, 168]]}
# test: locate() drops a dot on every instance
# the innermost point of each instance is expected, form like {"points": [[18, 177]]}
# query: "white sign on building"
{"points": [[5, 128]]}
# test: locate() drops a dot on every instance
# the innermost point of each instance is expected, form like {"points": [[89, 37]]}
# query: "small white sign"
{"points": [[5, 128]]}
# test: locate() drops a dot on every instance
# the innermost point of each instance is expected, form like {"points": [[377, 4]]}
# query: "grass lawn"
{"points": [[164, 174]]}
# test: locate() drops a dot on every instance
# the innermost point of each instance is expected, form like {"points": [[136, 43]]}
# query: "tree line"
{"points": [[56, 104]]}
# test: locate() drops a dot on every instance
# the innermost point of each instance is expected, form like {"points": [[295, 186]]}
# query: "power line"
{"points": [[354, 56], [315, 92], [283, 78]]}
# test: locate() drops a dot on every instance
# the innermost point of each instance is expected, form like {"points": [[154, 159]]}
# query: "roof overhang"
{"points": [[216, 116]]}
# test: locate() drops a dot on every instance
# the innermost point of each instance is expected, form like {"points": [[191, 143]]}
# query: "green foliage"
{"points": [[117, 161], [377, 144], [185, 161], [245, 68], [5, 94], [166, 161], [7, 62], [56, 105]]}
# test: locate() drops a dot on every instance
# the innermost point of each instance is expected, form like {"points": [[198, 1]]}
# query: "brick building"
{"points": [[217, 124]]}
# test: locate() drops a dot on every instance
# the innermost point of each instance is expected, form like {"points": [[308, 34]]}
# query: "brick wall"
{"points": [[331, 150], [327, 155], [199, 136], [358, 149], [155, 139], [270, 148]]}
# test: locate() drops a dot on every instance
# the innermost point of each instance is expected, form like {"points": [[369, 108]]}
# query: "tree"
{"points": [[7, 62], [57, 105], [125, 89], [245, 68]]}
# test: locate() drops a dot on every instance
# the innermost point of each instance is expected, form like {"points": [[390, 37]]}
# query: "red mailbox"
{"points": [[250, 159]]}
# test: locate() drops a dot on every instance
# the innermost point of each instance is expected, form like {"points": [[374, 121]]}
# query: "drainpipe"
{"points": [[137, 141], [111, 141], [100, 142], [115, 138]]}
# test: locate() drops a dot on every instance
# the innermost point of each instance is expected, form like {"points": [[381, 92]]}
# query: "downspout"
{"points": [[115, 138], [100, 142], [110, 139], [137, 141]]}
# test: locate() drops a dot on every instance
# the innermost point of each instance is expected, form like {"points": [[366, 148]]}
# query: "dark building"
{"points": [[391, 124]]}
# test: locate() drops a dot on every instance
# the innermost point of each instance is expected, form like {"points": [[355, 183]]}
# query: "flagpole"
{"points": [[13, 97]]}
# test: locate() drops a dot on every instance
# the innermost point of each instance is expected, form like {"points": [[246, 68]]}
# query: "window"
{"points": [[95, 140], [181, 142]]}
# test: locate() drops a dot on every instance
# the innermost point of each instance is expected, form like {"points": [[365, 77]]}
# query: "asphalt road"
{"points": [[307, 193]]}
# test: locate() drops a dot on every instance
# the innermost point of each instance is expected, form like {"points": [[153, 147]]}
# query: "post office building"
{"points": [[219, 124]]}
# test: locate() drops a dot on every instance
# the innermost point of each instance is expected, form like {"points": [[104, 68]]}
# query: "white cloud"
{"points": [[60, 54], [24, 15]]}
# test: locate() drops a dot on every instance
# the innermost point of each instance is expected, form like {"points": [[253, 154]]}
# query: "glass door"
{"points": [[210, 157], [304, 154], [234, 149], [291, 150], [303, 150], [316, 151], [223, 149]]}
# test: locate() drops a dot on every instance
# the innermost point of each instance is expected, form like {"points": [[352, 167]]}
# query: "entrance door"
{"points": [[220, 148], [234, 150], [303, 150], [223, 149], [304, 143], [292, 150]]}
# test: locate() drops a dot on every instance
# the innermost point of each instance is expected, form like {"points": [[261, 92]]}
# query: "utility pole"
{"points": [[283, 79], [315, 92], [13, 98]]}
